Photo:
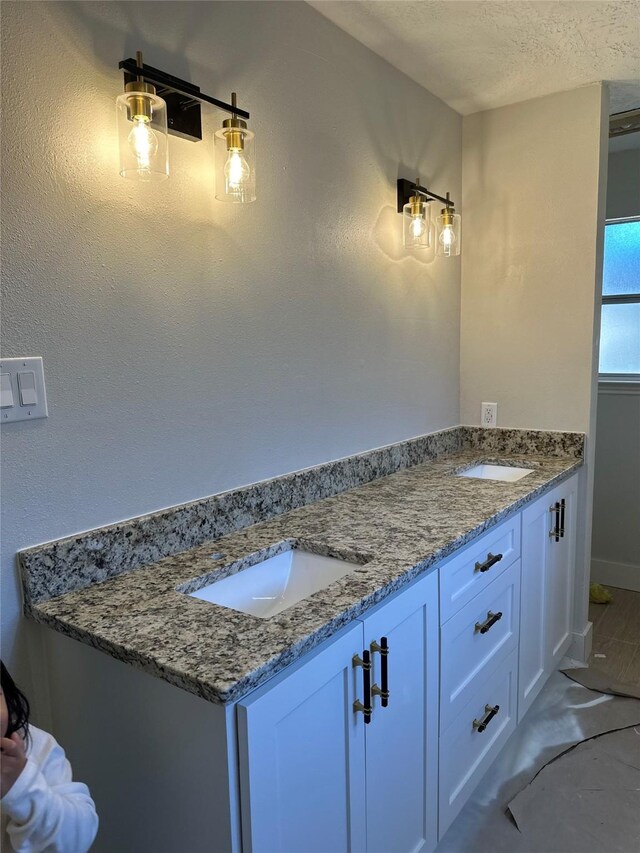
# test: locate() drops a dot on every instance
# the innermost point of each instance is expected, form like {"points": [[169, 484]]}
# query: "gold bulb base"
{"points": [[235, 140], [139, 100], [234, 135], [447, 216], [415, 203]]}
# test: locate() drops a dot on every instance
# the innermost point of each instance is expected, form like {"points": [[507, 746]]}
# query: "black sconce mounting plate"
{"points": [[184, 114], [183, 99], [408, 188]]}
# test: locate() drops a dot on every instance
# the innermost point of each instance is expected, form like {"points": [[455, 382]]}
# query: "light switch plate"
{"points": [[28, 392]]}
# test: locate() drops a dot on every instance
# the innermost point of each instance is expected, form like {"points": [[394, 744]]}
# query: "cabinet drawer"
{"points": [[466, 751], [469, 572], [475, 639]]}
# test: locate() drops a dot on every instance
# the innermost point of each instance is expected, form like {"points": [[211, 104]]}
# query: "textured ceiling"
{"points": [[483, 54]]}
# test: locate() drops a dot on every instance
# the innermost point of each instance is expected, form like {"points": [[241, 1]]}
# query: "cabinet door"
{"points": [[560, 574], [546, 597], [532, 666], [302, 756], [402, 738]]}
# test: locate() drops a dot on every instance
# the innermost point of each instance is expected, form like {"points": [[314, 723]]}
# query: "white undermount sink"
{"points": [[486, 471], [274, 584]]}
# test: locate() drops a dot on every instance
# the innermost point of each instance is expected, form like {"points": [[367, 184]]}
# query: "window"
{"points": [[620, 332]]}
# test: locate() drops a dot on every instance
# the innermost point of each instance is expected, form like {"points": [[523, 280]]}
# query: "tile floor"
{"points": [[616, 634]]}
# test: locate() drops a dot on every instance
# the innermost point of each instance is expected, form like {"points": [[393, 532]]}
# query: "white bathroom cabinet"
{"points": [[293, 767], [316, 777], [559, 574], [548, 560]]}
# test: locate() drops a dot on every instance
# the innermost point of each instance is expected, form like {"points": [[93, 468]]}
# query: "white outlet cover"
{"points": [[489, 414]]}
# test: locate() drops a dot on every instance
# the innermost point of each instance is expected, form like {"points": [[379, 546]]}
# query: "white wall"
{"points": [[191, 346], [530, 187], [533, 185], [616, 496], [623, 182]]}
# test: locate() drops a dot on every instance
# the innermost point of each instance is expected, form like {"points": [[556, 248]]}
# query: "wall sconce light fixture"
{"points": [[155, 103], [414, 202]]}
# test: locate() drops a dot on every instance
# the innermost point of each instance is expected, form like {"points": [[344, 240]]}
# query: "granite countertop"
{"points": [[396, 527]]}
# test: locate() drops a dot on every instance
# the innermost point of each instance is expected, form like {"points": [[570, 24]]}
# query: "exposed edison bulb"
{"points": [[417, 226], [236, 171], [143, 142], [235, 160], [447, 239], [142, 129]]}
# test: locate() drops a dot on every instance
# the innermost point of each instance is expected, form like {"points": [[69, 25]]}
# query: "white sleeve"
{"points": [[46, 810]]}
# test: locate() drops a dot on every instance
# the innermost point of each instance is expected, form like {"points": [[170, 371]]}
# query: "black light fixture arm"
{"points": [[408, 188], [168, 83]]}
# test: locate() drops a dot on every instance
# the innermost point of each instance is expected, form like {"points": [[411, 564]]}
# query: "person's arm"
{"points": [[46, 810]]}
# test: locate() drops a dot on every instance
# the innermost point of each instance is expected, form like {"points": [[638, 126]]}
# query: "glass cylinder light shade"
{"points": [[142, 133], [235, 162], [416, 224], [448, 233]]}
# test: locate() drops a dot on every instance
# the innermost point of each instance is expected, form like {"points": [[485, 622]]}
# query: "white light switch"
{"points": [[6, 392], [24, 396], [27, 386]]}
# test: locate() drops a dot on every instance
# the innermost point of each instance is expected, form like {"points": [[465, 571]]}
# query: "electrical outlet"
{"points": [[489, 414]]}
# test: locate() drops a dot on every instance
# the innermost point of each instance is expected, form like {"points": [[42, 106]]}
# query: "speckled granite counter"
{"points": [[397, 527]]}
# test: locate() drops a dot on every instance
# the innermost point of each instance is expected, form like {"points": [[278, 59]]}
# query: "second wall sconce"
{"points": [[154, 104], [414, 204]]}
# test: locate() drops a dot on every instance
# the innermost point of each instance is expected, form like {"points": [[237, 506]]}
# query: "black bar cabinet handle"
{"points": [[385, 671], [366, 684], [490, 712], [490, 561], [365, 663], [555, 533], [491, 620], [562, 518], [383, 690]]}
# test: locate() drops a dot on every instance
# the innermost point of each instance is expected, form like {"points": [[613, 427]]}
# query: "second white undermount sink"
{"points": [[276, 583], [486, 471]]}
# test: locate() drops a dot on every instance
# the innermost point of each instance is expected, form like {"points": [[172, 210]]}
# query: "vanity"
{"points": [[337, 675]]}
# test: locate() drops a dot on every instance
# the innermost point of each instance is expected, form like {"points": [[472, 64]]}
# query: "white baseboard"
{"points": [[622, 575], [580, 648]]}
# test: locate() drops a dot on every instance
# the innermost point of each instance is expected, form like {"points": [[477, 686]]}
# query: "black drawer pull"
{"points": [[490, 712], [562, 518], [365, 663], [490, 561], [556, 532], [383, 690], [491, 620]]}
